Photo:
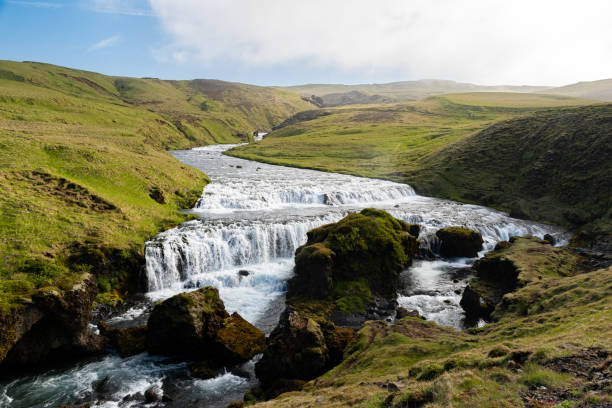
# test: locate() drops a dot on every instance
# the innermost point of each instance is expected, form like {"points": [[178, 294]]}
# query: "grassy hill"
{"points": [[539, 162], [85, 177], [548, 347], [599, 90], [554, 166], [331, 94]]}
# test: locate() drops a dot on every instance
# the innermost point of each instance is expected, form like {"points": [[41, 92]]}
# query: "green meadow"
{"points": [[85, 176]]}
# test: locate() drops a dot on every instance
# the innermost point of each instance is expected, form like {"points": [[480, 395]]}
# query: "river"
{"points": [[252, 217]]}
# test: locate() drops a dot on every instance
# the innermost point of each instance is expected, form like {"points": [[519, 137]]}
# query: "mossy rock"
{"points": [[187, 323], [128, 341], [239, 339], [459, 241], [301, 348], [370, 245], [196, 325]]}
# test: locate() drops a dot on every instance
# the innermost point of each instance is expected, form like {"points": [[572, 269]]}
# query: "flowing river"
{"points": [[252, 217]]}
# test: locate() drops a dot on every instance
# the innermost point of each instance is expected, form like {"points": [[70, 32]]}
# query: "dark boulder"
{"points": [[239, 340], [128, 341], [496, 275], [300, 348], [196, 325], [52, 326], [459, 241]]}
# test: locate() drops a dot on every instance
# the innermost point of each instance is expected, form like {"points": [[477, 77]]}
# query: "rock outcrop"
{"points": [[196, 325], [128, 341], [52, 326], [371, 246], [459, 241], [301, 348]]}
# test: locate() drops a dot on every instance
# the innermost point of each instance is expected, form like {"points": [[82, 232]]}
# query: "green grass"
{"points": [[85, 177], [440, 367]]}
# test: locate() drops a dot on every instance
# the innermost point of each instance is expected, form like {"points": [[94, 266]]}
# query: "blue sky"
{"points": [[282, 42]]}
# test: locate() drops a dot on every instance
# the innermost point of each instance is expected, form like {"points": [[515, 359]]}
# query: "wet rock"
{"points": [[105, 388], [459, 241], [196, 324], [153, 394], [550, 239], [243, 272], [204, 370], [128, 341]]}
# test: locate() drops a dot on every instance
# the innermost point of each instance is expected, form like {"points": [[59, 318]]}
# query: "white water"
{"points": [[252, 217]]}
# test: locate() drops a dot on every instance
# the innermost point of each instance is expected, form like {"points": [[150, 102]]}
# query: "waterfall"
{"points": [[244, 194], [197, 247]]}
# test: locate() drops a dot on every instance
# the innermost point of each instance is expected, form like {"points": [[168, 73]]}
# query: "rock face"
{"points": [[459, 241], [195, 324], [371, 245], [301, 348], [53, 326]]}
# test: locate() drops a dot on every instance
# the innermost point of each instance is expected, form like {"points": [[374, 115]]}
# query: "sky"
{"points": [[288, 42]]}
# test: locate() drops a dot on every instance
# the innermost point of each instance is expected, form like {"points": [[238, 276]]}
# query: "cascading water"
{"points": [[251, 219]]}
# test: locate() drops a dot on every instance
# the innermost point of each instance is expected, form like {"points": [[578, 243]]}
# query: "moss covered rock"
{"points": [[301, 348], [371, 245], [52, 325], [128, 341], [459, 241], [196, 324], [239, 339]]}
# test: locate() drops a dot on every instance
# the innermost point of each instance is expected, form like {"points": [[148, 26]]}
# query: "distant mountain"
{"points": [[339, 94], [599, 90]]}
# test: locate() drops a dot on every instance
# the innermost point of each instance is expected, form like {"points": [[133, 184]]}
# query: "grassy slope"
{"points": [[437, 145], [82, 153], [406, 90], [560, 311], [554, 166], [600, 90]]}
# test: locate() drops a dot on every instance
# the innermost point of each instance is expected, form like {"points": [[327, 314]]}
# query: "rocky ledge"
{"points": [[51, 326]]}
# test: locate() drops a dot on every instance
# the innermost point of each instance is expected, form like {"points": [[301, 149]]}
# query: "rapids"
{"points": [[252, 217]]}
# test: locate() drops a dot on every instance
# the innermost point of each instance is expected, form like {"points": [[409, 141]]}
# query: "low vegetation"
{"points": [[555, 352], [85, 177]]}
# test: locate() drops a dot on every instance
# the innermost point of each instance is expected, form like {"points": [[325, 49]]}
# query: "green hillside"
{"points": [[547, 347], [600, 90], [546, 164], [85, 177], [331, 94]]}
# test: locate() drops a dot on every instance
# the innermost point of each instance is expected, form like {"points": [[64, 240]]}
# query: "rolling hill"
{"points": [[599, 90], [331, 94], [540, 156], [85, 177]]}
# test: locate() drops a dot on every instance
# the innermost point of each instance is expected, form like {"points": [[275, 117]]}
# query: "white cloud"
{"points": [[483, 41], [105, 43]]}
